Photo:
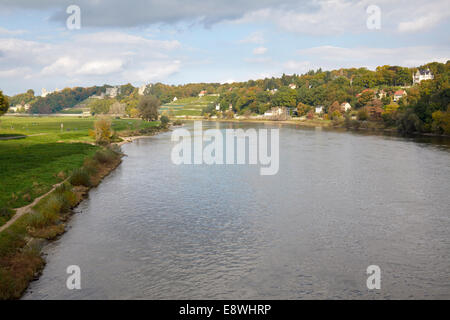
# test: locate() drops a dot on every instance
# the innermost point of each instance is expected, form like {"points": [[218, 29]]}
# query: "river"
{"points": [[340, 202]]}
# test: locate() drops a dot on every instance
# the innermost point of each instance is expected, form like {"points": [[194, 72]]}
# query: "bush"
{"points": [[355, 124], [164, 121], [90, 165], [41, 219], [408, 122], [363, 115], [6, 213], [116, 149], [107, 155], [80, 177]]}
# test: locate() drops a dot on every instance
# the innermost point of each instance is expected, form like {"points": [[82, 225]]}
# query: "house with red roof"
{"points": [[399, 94]]}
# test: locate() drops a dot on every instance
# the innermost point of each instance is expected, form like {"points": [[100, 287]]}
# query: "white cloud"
{"points": [[4, 31], [422, 23], [259, 50], [332, 57], [90, 59], [293, 66], [15, 72], [101, 67], [332, 17], [255, 37]]}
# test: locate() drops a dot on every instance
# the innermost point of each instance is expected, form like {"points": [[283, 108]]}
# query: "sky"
{"points": [[185, 41]]}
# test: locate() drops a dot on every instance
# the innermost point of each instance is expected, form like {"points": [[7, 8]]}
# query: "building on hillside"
{"points": [[19, 108], [382, 94], [112, 92], [141, 89], [399, 94], [45, 93], [346, 106], [202, 93], [319, 109], [175, 99], [423, 74], [217, 107], [293, 86], [100, 96], [278, 113]]}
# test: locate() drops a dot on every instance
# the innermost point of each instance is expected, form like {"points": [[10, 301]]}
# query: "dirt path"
{"points": [[23, 210]]}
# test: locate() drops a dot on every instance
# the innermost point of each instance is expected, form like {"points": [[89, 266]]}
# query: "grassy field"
{"points": [[30, 166], [192, 106]]}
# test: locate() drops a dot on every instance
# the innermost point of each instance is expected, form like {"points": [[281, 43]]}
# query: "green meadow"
{"points": [[192, 106], [51, 149]]}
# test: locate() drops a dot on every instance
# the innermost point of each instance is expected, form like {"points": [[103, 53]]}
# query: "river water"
{"points": [[339, 203]]}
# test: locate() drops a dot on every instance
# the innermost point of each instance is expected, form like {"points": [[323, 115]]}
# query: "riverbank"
{"points": [[43, 220]]}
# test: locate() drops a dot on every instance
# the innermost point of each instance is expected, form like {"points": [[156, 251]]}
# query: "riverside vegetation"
{"points": [[74, 157], [385, 98]]}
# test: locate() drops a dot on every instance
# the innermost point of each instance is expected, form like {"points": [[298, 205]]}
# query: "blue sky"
{"points": [[176, 42]]}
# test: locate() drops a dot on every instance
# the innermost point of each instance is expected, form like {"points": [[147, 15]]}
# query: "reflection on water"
{"points": [[340, 202]]}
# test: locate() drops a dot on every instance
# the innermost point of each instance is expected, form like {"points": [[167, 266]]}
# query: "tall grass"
{"points": [[80, 177]]}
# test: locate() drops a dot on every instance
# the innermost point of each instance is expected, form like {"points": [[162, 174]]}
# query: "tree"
{"points": [[335, 108], [4, 104], [303, 109], [364, 98], [441, 122], [148, 107], [101, 106], [102, 131]]}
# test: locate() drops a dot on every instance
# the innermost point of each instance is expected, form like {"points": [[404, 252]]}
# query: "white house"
{"points": [[292, 86], [142, 89], [175, 99], [217, 107], [421, 75], [275, 112], [202, 93], [346, 106], [399, 94], [45, 93], [319, 109], [382, 94], [19, 107]]}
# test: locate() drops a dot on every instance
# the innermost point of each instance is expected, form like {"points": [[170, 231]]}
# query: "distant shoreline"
{"points": [[318, 124]]}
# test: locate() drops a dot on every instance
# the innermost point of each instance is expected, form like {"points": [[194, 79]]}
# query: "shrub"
{"points": [[54, 204], [116, 149], [90, 165], [42, 218], [363, 115], [105, 156], [80, 177], [6, 213], [164, 121], [355, 124]]}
